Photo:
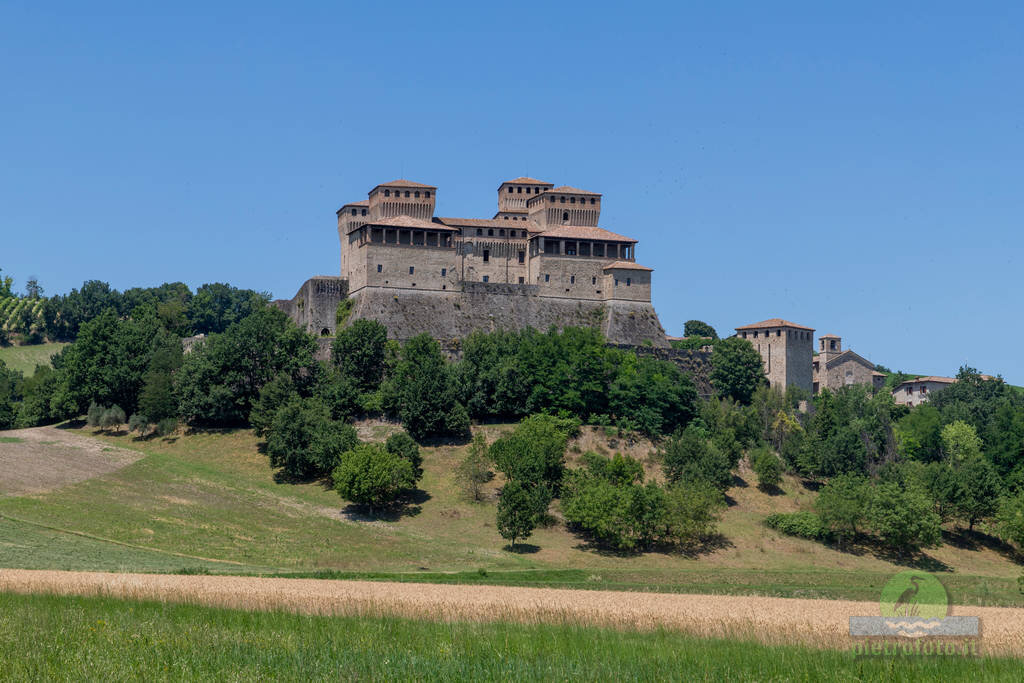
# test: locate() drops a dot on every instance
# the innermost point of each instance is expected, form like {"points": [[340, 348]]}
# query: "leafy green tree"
{"points": [[919, 433], [978, 490], [304, 441], [736, 369], [767, 467], [692, 511], [960, 442], [222, 377], [404, 446], [699, 328], [113, 417], [1010, 518], [475, 469], [534, 453], [843, 505], [33, 290], [138, 423], [369, 475], [95, 413], [10, 394], [520, 509], [654, 394], [274, 394], [420, 389], [6, 282], [216, 307], [63, 315], [689, 457], [942, 483], [340, 393], [904, 519], [156, 399], [359, 351]]}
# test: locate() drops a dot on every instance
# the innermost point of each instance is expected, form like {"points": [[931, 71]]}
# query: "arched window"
{"points": [[593, 201], [562, 200], [417, 195], [565, 215], [353, 212], [364, 212], [407, 193], [387, 193], [572, 200], [519, 190], [479, 231], [501, 233], [510, 190], [552, 199], [427, 194], [490, 232]]}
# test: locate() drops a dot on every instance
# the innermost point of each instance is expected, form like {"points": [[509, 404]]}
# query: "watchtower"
{"points": [[786, 350], [402, 198], [565, 206]]}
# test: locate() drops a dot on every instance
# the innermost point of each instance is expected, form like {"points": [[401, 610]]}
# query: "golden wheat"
{"points": [[816, 623]]}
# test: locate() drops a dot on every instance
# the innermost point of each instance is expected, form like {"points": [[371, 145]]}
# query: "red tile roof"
{"points": [[404, 183], [828, 336], [523, 180], [581, 232], [627, 265], [408, 222], [774, 322], [565, 189]]}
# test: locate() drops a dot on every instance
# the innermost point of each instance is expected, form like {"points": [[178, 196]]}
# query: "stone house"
{"points": [[786, 350], [914, 392], [833, 368]]}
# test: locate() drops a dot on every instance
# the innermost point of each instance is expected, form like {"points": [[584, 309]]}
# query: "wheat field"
{"points": [[814, 623]]}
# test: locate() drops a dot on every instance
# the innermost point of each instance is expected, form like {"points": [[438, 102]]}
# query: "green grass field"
{"points": [[26, 358], [60, 638], [209, 502]]}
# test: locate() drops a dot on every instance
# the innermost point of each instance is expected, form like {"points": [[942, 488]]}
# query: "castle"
{"points": [[541, 260]]}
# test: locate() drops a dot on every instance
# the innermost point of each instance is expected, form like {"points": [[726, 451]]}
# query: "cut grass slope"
{"points": [[26, 358], [105, 639]]}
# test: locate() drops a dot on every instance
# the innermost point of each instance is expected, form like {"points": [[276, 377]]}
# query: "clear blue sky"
{"points": [[857, 169]]}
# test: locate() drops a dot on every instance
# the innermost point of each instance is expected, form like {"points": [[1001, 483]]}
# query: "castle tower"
{"points": [[402, 198], [786, 350], [350, 217], [829, 346], [513, 195], [565, 206]]}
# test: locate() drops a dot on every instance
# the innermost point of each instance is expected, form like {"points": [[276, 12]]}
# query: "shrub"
{"points": [[691, 512], [95, 414], [533, 453], [520, 509], [113, 417], [843, 504], [404, 446], [801, 524], [904, 520], [689, 457], [138, 423], [767, 467], [166, 426], [456, 422], [369, 475], [304, 441]]}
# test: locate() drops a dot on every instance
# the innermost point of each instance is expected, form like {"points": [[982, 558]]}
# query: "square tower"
{"points": [[787, 350]]}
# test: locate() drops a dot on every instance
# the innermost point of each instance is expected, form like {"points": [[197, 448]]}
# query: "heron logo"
{"points": [[914, 604]]}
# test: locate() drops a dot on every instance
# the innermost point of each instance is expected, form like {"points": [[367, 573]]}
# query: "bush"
{"points": [[801, 524], [95, 414], [304, 441], [404, 446], [112, 418], [369, 475], [691, 512], [534, 453], [767, 467], [166, 426], [904, 520], [138, 423], [689, 457], [520, 509], [456, 422], [842, 504]]}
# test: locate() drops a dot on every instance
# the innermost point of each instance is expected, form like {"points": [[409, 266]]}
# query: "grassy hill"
{"points": [[209, 502], [26, 358]]}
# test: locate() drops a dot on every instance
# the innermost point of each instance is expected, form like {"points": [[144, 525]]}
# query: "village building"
{"points": [[786, 350], [916, 391], [833, 368]]}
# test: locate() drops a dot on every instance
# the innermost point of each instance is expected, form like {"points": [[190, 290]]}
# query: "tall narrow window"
{"points": [[628, 281], [572, 279], [522, 257], [444, 272], [487, 255], [412, 270], [380, 267], [487, 278], [565, 215], [547, 277]]}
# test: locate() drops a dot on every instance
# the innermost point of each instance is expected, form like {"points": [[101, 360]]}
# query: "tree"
{"points": [[689, 457], [10, 393], [978, 490], [33, 290], [274, 394], [475, 469], [404, 446], [1010, 518], [519, 509], [942, 483], [95, 413], [138, 423], [304, 441], [904, 520], [691, 512], [156, 399], [359, 351], [534, 453], [843, 503], [113, 417], [699, 328], [960, 442], [919, 433], [369, 475], [420, 389], [6, 282], [767, 467], [216, 307], [223, 375], [736, 369]]}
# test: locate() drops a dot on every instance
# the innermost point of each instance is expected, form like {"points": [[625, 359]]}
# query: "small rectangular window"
{"points": [[522, 257], [593, 280], [412, 270], [628, 281], [547, 277], [487, 278], [380, 267], [487, 255], [444, 272], [522, 280]]}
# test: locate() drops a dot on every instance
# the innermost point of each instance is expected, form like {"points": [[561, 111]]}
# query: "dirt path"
{"points": [[818, 623], [45, 458]]}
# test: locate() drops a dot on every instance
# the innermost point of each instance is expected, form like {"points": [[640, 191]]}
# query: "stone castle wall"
{"points": [[315, 305]]}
